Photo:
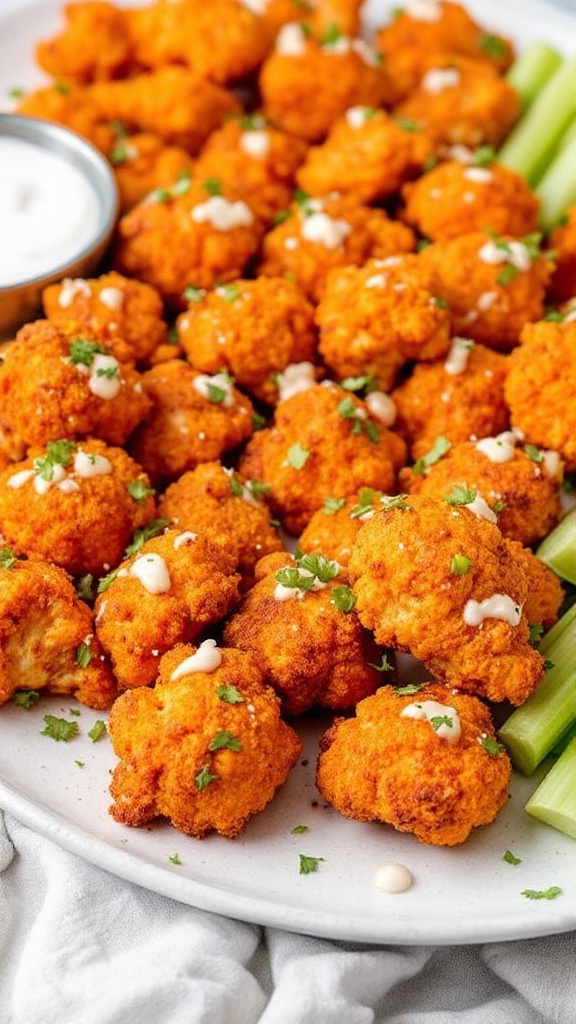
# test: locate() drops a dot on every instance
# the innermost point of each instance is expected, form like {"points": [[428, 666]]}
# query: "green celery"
{"points": [[558, 549], [534, 728], [557, 187], [531, 143], [532, 69], [554, 801]]}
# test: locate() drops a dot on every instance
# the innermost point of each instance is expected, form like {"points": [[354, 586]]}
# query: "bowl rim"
{"points": [[62, 141]]}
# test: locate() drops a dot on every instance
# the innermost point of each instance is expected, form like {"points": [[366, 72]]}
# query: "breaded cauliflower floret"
{"points": [[541, 387], [92, 46], [76, 505], [307, 81], [493, 285], [111, 304], [255, 160], [195, 235], [74, 108], [221, 505], [375, 318], [435, 26], [432, 578], [300, 624], [321, 14], [332, 530], [461, 398], [47, 640], [324, 441], [521, 484], [170, 590], [428, 764], [321, 234], [462, 101], [252, 329], [143, 163], [205, 748], [194, 418], [545, 591], [67, 380], [367, 154], [456, 198]]}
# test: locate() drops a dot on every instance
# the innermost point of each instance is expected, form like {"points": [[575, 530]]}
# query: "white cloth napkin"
{"points": [[79, 946]]}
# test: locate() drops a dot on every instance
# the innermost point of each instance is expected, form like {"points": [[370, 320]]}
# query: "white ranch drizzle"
{"points": [[112, 298], [203, 383], [429, 709], [382, 407], [71, 287], [513, 252], [500, 448], [291, 41], [152, 571], [437, 80], [223, 214], [457, 358], [255, 143], [207, 658], [498, 606], [186, 537], [325, 230], [295, 378], [424, 10]]}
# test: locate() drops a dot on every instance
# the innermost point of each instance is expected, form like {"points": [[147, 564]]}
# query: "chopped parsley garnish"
{"points": [[174, 859], [440, 447], [215, 394], [366, 384], [119, 154], [26, 699], [309, 864], [291, 578], [331, 35], [483, 156], [63, 88], [58, 453], [368, 497], [7, 558], [534, 453], [15, 93], [258, 421], [298, 456], [257, 489], [493, 46], [85, 587], [343, 599], [397, 501], [348, 410], [138, 490], [542, 894], [152, 529], [98, 730], [437, 721], [105, 582], [80, 764], [83, 655], [83, 352], [324, 569], [204, 777], [491, 746], [236, 486], [281, 216], [461, 495], [409, 689], [436, 300], [407, 124], [509, 857], [535, 633], [107, 371], [302, 199], [224, 740], [212, 186], [229, 694], [159, 195], [333, 505], [299, 830], [459, 565], [193, 294], [383, 666], [229, 292], [59, 728], [182, 184]]}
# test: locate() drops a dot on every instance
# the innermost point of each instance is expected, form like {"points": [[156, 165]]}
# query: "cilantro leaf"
{"points": [[542, 894], [343, 599], [229, 694], [7, 558], [440, 447], [152, 529], [83, 655], [204, 777], [59, 728], [309, 864], [509, 857], [460, 564], [138, 490], [26, 699], [224, 740], [298, 456], [98, 730]]}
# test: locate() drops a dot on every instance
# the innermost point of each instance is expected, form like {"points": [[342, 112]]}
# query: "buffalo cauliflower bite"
{"points": [[193, 235], [74, 108], [194, 418], [252, 329], [462, 101], [254, 159], [541, 387], [428, 764], [168, 591], [332, 529], [76, 505], [545, 590], [521, 484], [563, 242], [493, 285], [111, 305], [461, 398], [219, 504], [321, 234], [92, 46], [433, 578], [47, 640], [375, 318], [308, 81], [144, 163], [367, 154], [457, 198], [324, 441], [205, 748], [435, 26], [298, 620], [67, 380], [321, 14], [173, 102]]}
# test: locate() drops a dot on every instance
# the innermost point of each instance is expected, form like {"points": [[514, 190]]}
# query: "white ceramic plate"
{"points": [[467, 894]]}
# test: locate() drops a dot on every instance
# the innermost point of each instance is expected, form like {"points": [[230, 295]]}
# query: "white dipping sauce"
{"points": [[48, 211], [393, 878]]}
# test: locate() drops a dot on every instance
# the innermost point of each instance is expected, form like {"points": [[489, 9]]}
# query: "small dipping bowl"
{"points": [[58, 211]]}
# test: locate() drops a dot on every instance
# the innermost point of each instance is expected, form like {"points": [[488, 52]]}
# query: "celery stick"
{"points": [[560, 627], [568, 137], [558, 549], [557, 187], [532, 69], [554, 802], [534, 728], [530, 144]]}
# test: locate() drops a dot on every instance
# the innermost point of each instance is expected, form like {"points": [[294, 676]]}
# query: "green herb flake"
{"points": [[291, 578], [491, 745], [281, 217], [302, 199], [483, 156], [236, 486], [83, 655], [507, 274], [139, 490], [26, 699], [409, 689], [80, 764], [105, 582], [493, 46], [459, 565], [182, 184], [366, 383], [212, 186], [63, 88], [324, 569], [85, 587], [309, 864], [440, 448], [542, 894], [215, 394], [193, 294], [204, 777], [257, 489], [510, 858], [299, 830], [407, 124], [333, 505], [228, 292], [7, 558], [397, 501], [83, 352], [175, 859], [59, 729], [98, 730], [224, 740], [152, 529], [343, 599], [258, 421], [461, 495], [331, 35], [15, 93], [58, 453], [298, 456], [119, 154], [535, 631], [229, 694], [437, 721], [534, 453]]}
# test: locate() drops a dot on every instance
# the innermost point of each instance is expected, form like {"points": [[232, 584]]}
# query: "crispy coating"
{"points": [[72, 505], [174, 587], [457, 198], [194, 418], [252, 329], [173, 102], [43, 627], [113, 306], [255, 160], [493, 286], [322, 234], [408, 39], [332, 530], [367, 154], [306, 84], [563, 242], [93, 45], [169, 741], [312, 652], [47, 392], [541, 386], [461, 403], [324, 441], [187, 237], [227, 509], [143, 163], [375, 318], [523, 484], [410, 593], [321, 14], [545, 590], [384, 765], [74, 108], [462, 100]]}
